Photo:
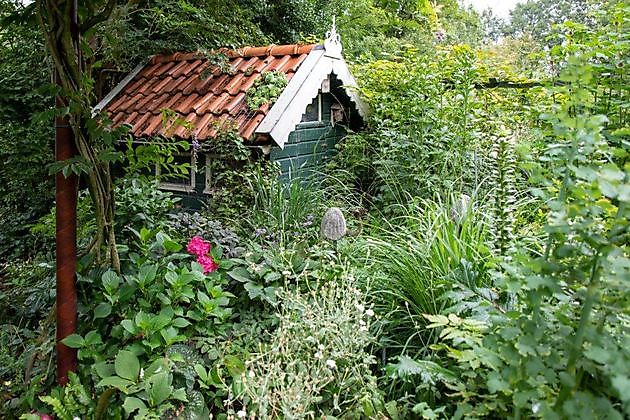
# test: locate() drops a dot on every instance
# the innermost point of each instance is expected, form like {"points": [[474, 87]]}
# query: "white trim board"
{"points": [[287, 112], [119, 87]]}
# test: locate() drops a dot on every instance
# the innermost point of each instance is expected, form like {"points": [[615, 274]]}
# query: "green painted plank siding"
{"points": [[308, 149], [195, 199]]}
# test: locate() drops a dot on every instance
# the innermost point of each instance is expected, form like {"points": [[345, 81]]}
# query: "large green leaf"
{"points": [[254, 290], [74, 341], [147, 273], [160, 388], [127, 365], [240, 274], [104, 369], [111, 281], [102, 310], [132, 404], [116, 382]]}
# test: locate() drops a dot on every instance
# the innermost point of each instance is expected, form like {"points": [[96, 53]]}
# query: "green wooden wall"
{"points": [[309, 146], [196, 198]]}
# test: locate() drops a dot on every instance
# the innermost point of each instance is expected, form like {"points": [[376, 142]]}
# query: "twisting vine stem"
{"points": [[75, 74]]}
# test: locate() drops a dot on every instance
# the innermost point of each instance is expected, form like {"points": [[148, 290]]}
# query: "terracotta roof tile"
{"points": [[198, 66], [177, 69], [130, 118], [278, 63], [234, 64], [201, 123], [201, 104], [295, 62], [234, 83], [138, 84], [214, 84], [159, 86], [149, 70], [186, 106], [155, 107], [248, 82], [248, 128], [217, 105], [114, 106], [189, 85], [211, 103], [233, 106], [154, 126], [149, 87], [253, 51], [141, 121], [172, 100], [119, 118], [141, 102], [284, 50]]}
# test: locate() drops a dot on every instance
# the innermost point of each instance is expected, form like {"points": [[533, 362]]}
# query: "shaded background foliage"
{"points": [[26, 189]]}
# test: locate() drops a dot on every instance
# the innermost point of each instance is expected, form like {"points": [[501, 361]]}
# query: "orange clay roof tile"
{"points": [[200, 93]]}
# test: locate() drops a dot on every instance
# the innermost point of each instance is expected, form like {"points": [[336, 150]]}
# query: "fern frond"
{"points": [[58, 407]]}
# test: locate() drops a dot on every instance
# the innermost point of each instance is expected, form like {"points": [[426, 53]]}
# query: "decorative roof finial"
{"points": [[332, 44]]}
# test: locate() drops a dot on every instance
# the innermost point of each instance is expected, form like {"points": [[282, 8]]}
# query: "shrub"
{"points": [[26, 190], [560, 349], [317, 361], [144, 330]]}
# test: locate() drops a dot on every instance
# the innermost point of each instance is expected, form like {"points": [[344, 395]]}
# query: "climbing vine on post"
{"points": [[73, 59]]}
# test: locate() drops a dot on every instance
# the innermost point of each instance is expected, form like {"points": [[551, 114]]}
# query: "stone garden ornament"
{"points": [[333, 225]]}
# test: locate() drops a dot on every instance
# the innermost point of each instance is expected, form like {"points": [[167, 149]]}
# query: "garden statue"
{"points": [[333, 225]]}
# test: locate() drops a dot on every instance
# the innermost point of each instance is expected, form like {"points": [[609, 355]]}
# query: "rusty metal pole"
{"points": [[66, 242], [66, 235]]}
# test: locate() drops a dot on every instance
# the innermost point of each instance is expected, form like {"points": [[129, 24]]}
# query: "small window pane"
{"points": [[177, 177]]}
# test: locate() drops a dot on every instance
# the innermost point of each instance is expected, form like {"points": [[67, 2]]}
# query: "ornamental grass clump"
{"points": [[316, 362], [420, 257]]}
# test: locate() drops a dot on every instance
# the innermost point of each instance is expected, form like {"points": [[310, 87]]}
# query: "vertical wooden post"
{"points": [[66, 228]]}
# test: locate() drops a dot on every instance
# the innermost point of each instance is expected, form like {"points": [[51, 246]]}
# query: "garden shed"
{"points": [[316, 104]]}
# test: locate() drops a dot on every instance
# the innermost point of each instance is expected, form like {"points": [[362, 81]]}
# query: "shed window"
{"points": [[178, 181], [313, 110]]}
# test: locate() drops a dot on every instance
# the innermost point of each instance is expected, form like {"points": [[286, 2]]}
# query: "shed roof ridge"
{"points": [[244, 52]]}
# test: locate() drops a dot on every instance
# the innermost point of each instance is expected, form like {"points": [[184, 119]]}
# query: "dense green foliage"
{"points": [[25, 145], [485, 269]]}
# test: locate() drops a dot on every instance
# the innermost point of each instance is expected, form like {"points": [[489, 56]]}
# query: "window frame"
{"points": [[172, 186]]}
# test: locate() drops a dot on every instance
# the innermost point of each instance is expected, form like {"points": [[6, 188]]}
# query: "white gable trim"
{"points": [[119, 87], [287, 112], [284, 100], [340, 68]]}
